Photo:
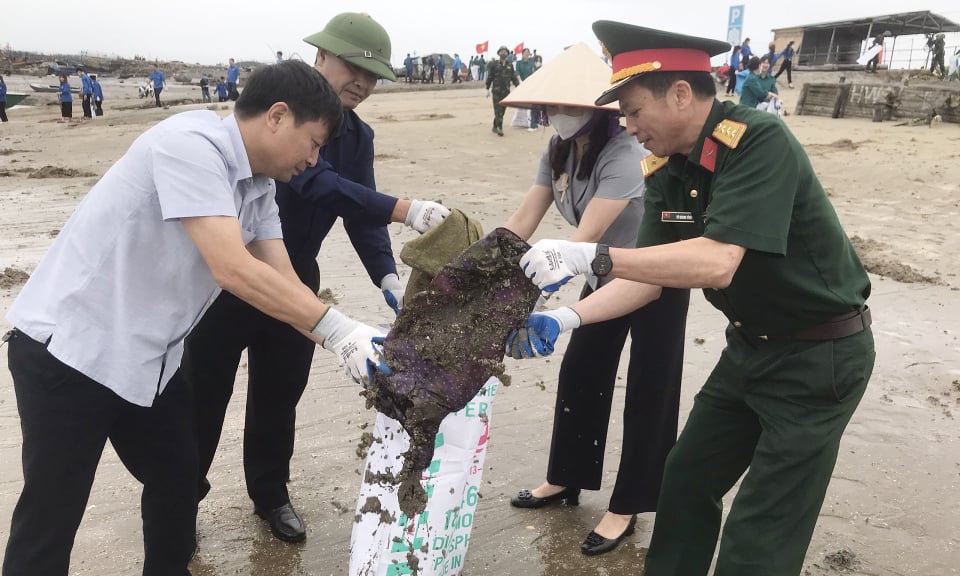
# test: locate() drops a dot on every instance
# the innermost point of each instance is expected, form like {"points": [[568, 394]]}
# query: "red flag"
{"points": [[518, 49], [483, 47]]}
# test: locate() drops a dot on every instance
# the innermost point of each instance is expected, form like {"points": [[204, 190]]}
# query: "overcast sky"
{"points": [[211, 31]]}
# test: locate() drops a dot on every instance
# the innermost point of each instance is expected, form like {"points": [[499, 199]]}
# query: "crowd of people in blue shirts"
{"points": [[749, 72]]}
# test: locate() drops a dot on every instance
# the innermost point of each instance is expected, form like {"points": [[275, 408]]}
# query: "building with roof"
{"points": [[837, 45]]}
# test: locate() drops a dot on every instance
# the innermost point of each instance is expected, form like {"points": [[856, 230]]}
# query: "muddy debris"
{"points": [[446, 343], [842, 560], [13, 276], [366, 440], [57, 172], [887, 267], [327, 297]]}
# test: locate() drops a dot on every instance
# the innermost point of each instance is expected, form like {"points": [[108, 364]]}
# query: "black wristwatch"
{"points": [[602, 264]]}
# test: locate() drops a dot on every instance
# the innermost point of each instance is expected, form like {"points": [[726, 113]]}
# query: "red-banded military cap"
{"points": [[636, 50]]}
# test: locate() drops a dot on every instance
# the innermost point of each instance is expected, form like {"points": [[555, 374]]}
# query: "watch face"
{"points": [[602, 264]]}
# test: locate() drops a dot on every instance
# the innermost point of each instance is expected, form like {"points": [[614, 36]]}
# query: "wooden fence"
{"points": [[870, 100]]}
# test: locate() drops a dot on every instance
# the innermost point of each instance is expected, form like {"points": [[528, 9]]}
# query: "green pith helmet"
{"points": [[358, 39], [502, 48]]}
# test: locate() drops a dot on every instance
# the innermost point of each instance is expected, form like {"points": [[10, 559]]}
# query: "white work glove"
{"points": [[539, 335], [424, 215], [392, 291], [487, 95], [356, 345], [552, 263]]}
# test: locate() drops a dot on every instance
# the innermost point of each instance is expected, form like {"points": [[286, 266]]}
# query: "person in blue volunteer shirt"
{"points": [[3, 100], [745, 51], [187, 211], [457, 64], [221, 90], [86, 93], [734, 68], [353, 53], [786, 64], [233, 76], [97, 95], [66, 100], [158, 83]]}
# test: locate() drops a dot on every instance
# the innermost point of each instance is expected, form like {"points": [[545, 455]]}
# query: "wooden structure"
{"points": [[880, 101], [837, 45]]}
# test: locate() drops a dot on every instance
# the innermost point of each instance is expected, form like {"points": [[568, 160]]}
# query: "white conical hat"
{"points": [[574, 78]]}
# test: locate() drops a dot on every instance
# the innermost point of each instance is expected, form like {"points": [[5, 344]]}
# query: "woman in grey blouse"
{"points": [[591, 172]]}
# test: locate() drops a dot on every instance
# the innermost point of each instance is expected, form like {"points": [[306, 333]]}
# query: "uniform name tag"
{"points": [[682, 217]]}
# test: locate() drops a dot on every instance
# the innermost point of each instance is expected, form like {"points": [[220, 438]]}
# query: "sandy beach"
{"points": [[891, 510]]}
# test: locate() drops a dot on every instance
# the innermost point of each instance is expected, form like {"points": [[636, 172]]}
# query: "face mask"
{"points": [[566, 125]]}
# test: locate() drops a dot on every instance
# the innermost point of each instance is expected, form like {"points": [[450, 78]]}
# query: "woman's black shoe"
{"points": [[596, 544], [524, 499]]}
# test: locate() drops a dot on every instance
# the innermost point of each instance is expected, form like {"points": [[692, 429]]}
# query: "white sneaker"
{"points": [[531, 129]]}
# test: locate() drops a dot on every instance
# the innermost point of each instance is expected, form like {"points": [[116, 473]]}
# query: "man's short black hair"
{"points": [[754, 64], [701, 83], [299, 85]]}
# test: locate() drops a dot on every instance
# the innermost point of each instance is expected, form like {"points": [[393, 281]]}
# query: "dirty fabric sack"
{"points": [[447, 342], [437, 247]]}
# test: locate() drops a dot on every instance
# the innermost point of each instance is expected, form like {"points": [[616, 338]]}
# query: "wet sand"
{"points": [[891, 509]]}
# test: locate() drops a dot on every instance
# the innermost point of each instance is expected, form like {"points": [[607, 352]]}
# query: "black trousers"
{"points": [[278, 360], [732, 82], [156, 94], [66, 109], [3, 111], [588, 374], [787, 66], [85, 104], [232, 93], [66, 419], [99, 107]]}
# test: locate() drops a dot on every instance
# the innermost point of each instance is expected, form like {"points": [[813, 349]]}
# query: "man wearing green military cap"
{"points": [[500, 74], [353, 53], [768, 250]]}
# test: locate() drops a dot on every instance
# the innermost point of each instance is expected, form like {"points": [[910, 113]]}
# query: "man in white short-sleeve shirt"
{"points": [[99, 327]]}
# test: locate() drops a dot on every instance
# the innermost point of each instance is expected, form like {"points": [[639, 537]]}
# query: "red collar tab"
{"points": [[708, 156]]}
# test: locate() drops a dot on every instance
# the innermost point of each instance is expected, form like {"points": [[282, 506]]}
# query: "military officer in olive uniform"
{"points": [[500, 74], [769, 252]]}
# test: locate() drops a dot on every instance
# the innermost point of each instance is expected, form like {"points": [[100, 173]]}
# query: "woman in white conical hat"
{"points": [[591, 171]]}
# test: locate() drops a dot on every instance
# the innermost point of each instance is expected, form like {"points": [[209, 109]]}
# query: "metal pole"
{"points": [[833, 34], [893, 47]]}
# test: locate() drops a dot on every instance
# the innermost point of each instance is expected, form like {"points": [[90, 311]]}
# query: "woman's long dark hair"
{"points": [[604, 125]]}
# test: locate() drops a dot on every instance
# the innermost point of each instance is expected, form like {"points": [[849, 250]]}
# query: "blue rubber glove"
{"points": [[392, 292], [380, 366], [539, 336], [552, 263]]}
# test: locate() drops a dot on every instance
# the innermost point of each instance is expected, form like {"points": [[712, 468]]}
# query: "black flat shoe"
{"points": [[285, 523], [595, 544], [524, 499]]}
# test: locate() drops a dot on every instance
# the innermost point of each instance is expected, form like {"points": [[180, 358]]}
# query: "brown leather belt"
{"points": [[839, 327]]}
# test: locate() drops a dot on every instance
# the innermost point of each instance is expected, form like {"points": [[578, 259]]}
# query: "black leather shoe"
{"points": [[596, 544], [285, 523], [524, 499]]}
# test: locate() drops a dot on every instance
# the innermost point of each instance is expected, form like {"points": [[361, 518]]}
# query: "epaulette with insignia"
{"points": [[729, 133], [652, 163]]}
